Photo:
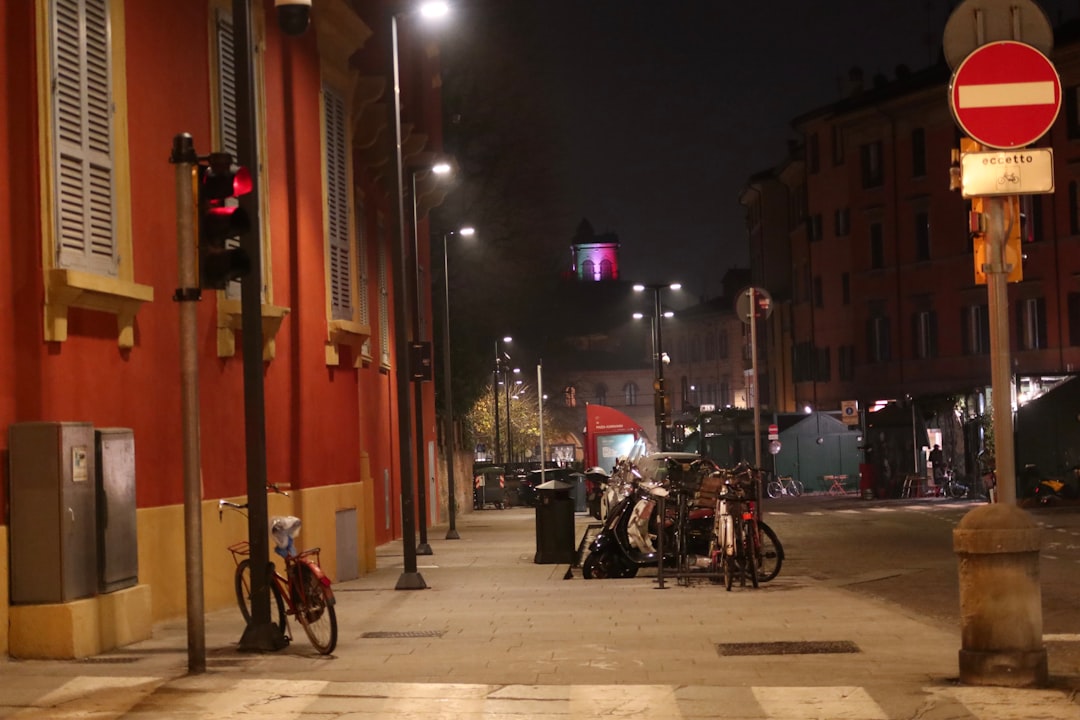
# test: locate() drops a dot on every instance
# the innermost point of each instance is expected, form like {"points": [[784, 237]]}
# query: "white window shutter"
{"points": [[337, 205], [82, 132]]}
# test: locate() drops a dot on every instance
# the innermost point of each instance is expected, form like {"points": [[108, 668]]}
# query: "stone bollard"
{"points": [[997, 547]]}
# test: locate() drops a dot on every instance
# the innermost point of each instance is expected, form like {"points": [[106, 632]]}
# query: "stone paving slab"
{"points": [[516, 640]]}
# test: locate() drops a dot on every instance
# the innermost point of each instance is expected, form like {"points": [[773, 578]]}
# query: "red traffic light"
{"points": [[221, 220], [223, 179]]}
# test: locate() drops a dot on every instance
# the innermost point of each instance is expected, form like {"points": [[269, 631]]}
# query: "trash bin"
{"points": [[580, 492], [867, 480], [554, 523]]}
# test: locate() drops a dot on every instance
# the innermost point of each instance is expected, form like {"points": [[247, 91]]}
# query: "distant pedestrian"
{"points": [[937, 462]]}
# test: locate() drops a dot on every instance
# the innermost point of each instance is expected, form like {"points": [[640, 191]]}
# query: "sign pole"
{"points": [[754, 372], [997, 273], [1004, 94]]}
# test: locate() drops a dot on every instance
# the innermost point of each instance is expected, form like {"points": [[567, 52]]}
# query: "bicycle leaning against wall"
{"points": [[303, 592]]}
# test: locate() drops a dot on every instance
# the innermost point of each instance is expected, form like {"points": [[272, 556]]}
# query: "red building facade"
{"points": [[884, 303], [96, 90]]}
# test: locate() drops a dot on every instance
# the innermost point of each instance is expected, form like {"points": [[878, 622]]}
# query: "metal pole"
{"points": [[658, 343], [418, 385], [448, 419], [410, 578], [1000, 370], [509, 443], [187, 294], [754, 375], [260, 634], [495, 393], [540, 402]]}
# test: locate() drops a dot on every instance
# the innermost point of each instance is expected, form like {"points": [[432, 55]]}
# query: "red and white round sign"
{"points": [[1005, 95]]}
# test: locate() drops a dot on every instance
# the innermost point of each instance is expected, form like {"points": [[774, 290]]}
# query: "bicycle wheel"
{"points": [[315, 610], [796, 487], [774, 488], [768, 553], [956, 490], [242, 582], [748, 558]]}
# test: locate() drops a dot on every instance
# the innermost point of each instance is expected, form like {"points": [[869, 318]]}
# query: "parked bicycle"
{"points": [[744, 546], [784, 485], [303, 592], [952, 486]]}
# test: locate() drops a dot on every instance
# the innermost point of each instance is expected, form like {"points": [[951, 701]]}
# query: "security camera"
{"points": [[293, 15]]}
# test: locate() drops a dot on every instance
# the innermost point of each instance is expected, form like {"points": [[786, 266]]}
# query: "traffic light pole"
{"points": [[187, 295], [260, 634]]}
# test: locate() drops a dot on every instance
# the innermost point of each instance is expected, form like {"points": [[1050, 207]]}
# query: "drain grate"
{"points": [[788, 648], [403, 634], [109, 660]]}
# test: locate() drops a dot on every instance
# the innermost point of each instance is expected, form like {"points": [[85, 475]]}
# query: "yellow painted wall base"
{"points": [[81, 628], [4, 593]]}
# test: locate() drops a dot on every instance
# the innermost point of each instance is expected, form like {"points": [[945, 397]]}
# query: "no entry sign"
{"points": [[1005, 95]]}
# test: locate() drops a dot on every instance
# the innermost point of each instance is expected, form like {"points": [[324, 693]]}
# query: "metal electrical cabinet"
{"points": [[53, 517], [117, 535]]}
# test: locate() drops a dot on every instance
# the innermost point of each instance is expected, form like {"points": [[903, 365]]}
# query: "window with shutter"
{"points": [[384, 299], [86, 241], [82, 134], [337, 205], [363, 279], [226, 128]]}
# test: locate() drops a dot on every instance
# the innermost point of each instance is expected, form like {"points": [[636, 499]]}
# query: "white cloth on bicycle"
{"points": [[284, 528]]}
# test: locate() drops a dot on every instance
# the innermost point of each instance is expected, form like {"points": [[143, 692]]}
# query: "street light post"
{"points": [[410, 578], [448, 419], [423, 548], [662, 413], [496, 373]]}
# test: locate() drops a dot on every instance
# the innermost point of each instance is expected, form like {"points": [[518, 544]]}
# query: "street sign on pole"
{"points": [[761, 299], [977, 22], [1005, 95], [1016, 172]]}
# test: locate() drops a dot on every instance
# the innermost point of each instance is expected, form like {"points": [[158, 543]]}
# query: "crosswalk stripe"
{"points": [[200, 696], [811, 703]]}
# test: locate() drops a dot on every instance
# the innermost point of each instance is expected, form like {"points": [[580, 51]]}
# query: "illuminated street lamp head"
{"points": [[638, 287], [441, 168], [638, 316], [467, 231], [507, 339], [434, 9], [675, 286], [669, 314]]}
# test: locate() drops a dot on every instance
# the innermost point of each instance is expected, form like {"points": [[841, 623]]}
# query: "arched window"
{"points": [[606, 270], [587, 270], [601, 394], [630, 393], [570, 393]]}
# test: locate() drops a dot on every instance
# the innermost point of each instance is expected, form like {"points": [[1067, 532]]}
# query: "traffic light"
{"points": [[221, 220], [661, 404]]}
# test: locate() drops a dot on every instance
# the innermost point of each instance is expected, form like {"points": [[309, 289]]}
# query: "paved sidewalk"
{"points": [[496, 635]]}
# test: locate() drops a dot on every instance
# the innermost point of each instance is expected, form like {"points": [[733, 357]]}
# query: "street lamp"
{"points": [[501, 357], [509, 442], [410, 578], [440, 168], [448, 430], [661, 402]]}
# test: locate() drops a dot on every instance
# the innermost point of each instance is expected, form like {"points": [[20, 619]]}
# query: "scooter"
{"points": [[627, 541]]}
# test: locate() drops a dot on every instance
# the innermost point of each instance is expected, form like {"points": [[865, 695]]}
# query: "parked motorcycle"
{"points": [[596, 481], [628, 540]]}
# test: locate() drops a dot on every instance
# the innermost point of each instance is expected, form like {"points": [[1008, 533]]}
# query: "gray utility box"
{"points": [[53, 516], [117, 534]]}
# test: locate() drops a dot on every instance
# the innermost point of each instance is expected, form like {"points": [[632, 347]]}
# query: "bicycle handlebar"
{"points": [[270, 487]]}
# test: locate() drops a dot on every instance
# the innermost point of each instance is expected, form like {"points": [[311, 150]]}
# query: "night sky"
{"points": [[648, 116]]}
